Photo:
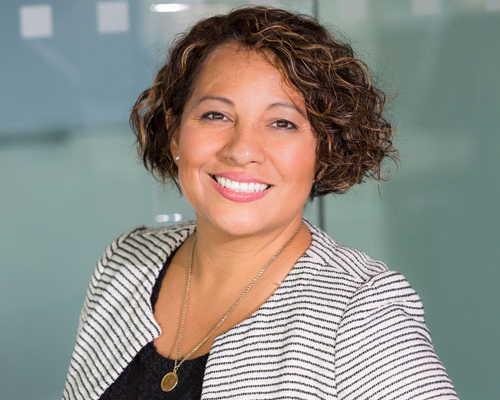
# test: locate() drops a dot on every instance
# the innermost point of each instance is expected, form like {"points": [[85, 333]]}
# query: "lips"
{"points": [[239, 187]]}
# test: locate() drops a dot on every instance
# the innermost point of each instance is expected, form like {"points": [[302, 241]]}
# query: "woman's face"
{"points": [[246, 148]]}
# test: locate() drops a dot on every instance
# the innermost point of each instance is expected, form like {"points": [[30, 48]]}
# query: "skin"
{"points": [[241, 118]]}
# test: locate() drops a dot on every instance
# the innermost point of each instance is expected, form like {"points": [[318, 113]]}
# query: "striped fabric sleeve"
{"points": [[98, 270], [76, 386], [383, 348]]}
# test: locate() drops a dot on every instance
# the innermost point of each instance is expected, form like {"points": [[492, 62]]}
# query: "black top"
{"points": [[142, 377]]}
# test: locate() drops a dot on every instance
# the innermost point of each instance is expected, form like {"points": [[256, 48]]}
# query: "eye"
{"points": [[214, 116], [284, 124]]}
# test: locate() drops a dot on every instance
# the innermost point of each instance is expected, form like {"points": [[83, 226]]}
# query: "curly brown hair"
{"points": [[344, 108]]}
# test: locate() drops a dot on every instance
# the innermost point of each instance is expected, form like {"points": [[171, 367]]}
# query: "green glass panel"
{"points": [[437, 219]]}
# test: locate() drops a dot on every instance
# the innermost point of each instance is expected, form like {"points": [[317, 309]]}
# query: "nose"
{"points": [[243, 145]]}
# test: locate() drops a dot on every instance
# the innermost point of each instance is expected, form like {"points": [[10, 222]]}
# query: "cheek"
{"points": [[299, 162], [194, 148]]}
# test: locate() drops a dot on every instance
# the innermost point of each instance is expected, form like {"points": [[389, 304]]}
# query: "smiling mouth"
{"points": [[240, 187]]}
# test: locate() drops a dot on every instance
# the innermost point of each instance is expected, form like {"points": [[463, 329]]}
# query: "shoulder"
{"points": [[131, 263], [137, 255], [171, 234], [365, 282], [382, 344], [148, 239], [333, 258]]}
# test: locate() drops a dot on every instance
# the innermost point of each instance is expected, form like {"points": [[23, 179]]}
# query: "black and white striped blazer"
{"points": [[340, 326]]}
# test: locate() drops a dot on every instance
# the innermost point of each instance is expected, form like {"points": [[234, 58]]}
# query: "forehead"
{"points": [[232, 51], [234, 59], [232, 64]]}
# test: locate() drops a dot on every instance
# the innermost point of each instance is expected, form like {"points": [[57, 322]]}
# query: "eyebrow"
{"points": [[277, 104], [288, 105], [219, 98]]}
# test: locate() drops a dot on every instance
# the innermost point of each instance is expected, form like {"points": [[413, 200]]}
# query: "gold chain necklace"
{"points": [[169, 381]]}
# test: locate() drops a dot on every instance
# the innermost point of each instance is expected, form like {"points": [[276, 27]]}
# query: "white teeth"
{"points": [[244, 187]]}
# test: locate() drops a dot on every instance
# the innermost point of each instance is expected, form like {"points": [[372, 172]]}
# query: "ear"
{"points": [[174, 142], [174, 145]]}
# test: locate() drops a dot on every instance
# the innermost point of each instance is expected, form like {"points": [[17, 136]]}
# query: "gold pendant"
{"points": [[169, 381]]}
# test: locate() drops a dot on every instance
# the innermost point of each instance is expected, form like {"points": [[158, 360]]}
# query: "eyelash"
{"points": [[211, 114], [291, 125]]}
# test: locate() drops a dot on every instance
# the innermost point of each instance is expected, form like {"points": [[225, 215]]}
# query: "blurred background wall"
{"points": [[70, 181]]}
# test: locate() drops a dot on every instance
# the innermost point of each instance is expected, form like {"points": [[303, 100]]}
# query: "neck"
{"points": [[223, 259]]}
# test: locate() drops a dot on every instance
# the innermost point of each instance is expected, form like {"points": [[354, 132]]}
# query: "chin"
{"points": [[238, 225], [247, 224]]}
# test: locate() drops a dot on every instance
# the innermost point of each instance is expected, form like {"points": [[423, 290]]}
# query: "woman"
{"points": [[253, 113]]}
